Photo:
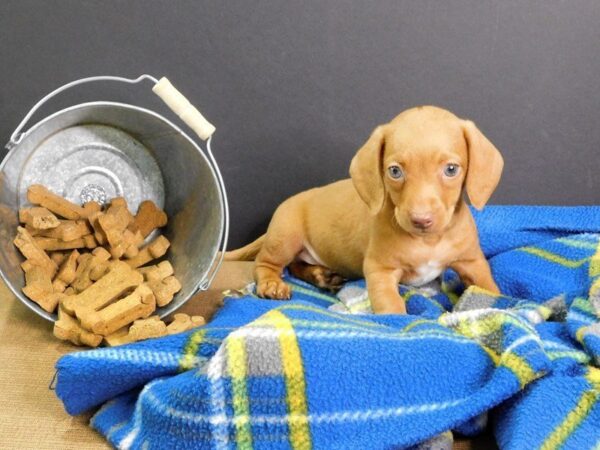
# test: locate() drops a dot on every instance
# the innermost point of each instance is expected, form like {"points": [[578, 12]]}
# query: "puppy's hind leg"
{"points": [[283, 241], [319, 276]]}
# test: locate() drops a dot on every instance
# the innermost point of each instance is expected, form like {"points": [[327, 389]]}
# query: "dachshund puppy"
{"points": [[400, 218]]}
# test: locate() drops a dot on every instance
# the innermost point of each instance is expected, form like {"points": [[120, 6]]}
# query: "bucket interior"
{"points": [[105, 149]]}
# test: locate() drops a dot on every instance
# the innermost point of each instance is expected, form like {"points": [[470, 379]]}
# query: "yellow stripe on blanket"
{"points": [[188, 359], [577, 243], [293, 372], [577, 415], [555, 258], [480, 327], [237, 364], [594, 269]]}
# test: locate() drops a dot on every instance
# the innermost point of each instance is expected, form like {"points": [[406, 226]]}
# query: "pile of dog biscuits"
{"points": [[90, 264]]}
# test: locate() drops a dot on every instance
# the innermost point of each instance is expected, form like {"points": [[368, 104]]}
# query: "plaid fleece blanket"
{"points": [[321, 371]]}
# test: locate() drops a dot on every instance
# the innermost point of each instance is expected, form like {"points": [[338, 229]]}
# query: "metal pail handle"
{"points": [[187, 113]]}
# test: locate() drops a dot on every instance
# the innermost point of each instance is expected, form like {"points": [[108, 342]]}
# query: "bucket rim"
{"points": [[12, 148]]}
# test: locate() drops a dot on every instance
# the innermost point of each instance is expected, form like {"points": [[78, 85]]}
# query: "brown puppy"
{"points": [[401, 217]]}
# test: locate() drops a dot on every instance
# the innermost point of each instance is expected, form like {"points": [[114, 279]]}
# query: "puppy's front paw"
{"points": [[396, 307], [274, 289]]}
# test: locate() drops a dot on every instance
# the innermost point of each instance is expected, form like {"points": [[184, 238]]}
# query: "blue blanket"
{"points": [[321, 371]]}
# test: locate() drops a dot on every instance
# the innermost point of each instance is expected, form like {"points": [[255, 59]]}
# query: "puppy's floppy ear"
{"points": [[485, 165], [366, 171]]}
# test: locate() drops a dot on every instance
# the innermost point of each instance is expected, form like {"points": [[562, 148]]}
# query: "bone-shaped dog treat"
{"points": [[147, 328], [59, 286], [27, 265], [98, 270], [161, 281], [119, 279], [133, 241], [82, 273], [52, 244], [91, 268], [69, 291], [38, 218], [137, 305], [68, 269], [158, 272], [38, 287], [67, 328], [149, 217], [129, 245], [67, 230], [157, 248], [141, 329], [165, 290], [180, 323], [90, 241], [55, 299], [198, 321], [120, 202], [113, 223], [119, 337], [90, 208], [39, 195], [98, 233], [32, 251], [57, 257]]}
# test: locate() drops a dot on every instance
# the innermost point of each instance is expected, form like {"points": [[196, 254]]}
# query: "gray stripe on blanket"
{"points": [[266, 355]]}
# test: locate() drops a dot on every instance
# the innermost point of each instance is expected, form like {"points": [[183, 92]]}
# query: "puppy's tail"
{"points": [[246, 253]]}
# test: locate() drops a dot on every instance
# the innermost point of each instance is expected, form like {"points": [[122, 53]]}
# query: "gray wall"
{"points": [[296, 87]]}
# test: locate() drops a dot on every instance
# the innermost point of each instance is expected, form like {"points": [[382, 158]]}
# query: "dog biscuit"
{"points": [[147, 328], [157, 248], [158, 272], [98, 233], [137, 305], [149, 217], [38, 218], [141, 329], [39, 195], [53, 244], [67, 230], [59, 286], [68, 269], [182, 322], [38, 287], [69, 291], [120, 202], [89, 267], [57, 257], [67, 328], [91, 208], [119, 279], [32, 251], [165, 290]]}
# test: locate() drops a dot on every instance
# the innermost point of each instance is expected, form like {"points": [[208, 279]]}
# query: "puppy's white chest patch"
{"points": [[425, 273]]}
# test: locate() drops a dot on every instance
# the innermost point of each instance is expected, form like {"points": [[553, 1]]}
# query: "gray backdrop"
{"points": [[294, 88]]}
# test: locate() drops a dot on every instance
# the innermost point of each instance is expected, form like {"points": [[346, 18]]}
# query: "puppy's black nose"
{"points": [[421, 221]]}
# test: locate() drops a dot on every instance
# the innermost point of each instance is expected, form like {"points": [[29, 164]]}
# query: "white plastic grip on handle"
{"points": [[183, 108]]}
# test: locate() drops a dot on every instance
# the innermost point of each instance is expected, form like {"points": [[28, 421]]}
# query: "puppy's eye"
{"points": [[395, 172], [451, 170]]}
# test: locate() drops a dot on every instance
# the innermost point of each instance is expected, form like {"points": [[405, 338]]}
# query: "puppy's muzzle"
{"points": [[421, 221]]}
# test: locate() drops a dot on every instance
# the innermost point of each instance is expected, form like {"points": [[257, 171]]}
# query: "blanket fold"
{"points": [[321, 371]]}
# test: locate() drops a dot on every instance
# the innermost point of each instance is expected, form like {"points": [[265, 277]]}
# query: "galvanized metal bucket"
{"points": [[100, 150]]}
